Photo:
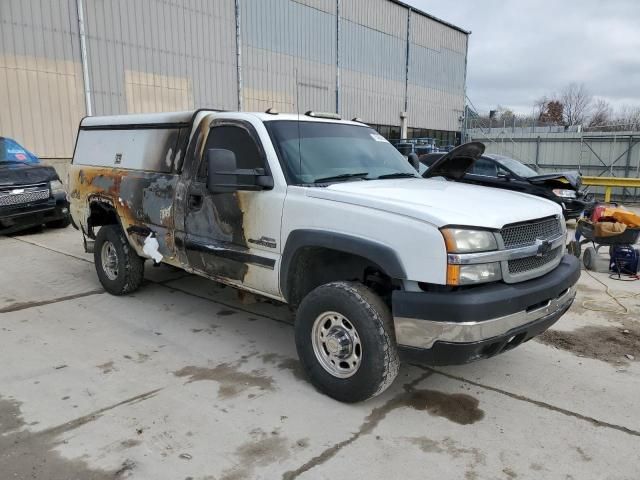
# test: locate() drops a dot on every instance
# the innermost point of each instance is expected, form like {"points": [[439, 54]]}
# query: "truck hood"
{"points": [[13, 174], [440, 202], [571, 178]]}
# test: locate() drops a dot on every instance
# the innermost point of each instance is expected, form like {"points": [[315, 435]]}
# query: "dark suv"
{"points": [[31, 194]]}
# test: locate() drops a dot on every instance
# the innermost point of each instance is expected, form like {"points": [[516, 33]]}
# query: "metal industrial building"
{"points": [[380, 60]]}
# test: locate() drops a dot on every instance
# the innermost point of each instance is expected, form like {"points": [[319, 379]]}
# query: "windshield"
{"points": [[312, 152], [12, 152], [516, 167]]}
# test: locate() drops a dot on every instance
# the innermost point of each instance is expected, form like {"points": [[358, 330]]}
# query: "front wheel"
{"points": [[120, 270], [345, 341]]}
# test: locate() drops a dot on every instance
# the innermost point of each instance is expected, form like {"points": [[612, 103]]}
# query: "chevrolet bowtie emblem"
{"points": [[543, 247]]}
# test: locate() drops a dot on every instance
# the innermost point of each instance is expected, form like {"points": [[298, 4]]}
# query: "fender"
{"points": [[376, 252]]}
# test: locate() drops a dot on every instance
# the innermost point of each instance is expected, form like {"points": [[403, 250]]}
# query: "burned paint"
{"points": [[102, 182], [162, 189], [137, 198]]}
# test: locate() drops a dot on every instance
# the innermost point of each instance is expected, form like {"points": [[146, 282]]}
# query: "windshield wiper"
{"points": [[397, 175], [341, 177], [10, 161]]}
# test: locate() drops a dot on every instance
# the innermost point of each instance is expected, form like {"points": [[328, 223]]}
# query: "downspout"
{"points": [[404, 113], [238, 55], [83, 58], [464, 135], [338, 56]]}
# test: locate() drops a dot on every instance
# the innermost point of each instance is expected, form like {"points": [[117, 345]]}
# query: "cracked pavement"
{"points": [[184, 380]]}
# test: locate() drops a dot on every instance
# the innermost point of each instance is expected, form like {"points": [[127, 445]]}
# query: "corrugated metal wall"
{"points": [[161, 55], [164, 55], [436, 74], [41, 90]]}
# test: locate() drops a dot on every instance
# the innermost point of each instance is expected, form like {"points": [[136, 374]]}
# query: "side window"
{"points": [[237, 140], [485, 167]]}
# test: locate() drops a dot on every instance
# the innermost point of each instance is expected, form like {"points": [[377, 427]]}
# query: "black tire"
{"points": [[588, 258], [126, 273], [372, 321], [61, 223]]}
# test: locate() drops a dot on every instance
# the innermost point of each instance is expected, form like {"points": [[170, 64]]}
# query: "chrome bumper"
{"points": [[424, 333]]}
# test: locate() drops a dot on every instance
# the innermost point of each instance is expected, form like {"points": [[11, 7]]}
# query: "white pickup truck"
{"points": [[328, 217]]}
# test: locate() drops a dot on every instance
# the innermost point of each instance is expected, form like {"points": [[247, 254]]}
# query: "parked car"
{"points": [[31, 194], [419, 146], [491, 170], [326, 216]]}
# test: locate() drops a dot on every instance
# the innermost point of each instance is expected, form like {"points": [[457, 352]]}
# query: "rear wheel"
{"points": [[120, 270], [344, 337]]}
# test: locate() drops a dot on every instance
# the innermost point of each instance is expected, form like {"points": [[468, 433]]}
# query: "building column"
{"points": [[403, 125]]}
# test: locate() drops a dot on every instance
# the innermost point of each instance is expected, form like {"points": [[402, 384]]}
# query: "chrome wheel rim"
{"points": [[109, 257], [336, 344]]}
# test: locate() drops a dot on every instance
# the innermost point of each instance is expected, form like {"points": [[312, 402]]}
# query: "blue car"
{"points": [[31, 194]]}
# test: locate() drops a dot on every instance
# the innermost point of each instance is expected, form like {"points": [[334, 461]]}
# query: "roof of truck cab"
{"points": [[185, 118]]}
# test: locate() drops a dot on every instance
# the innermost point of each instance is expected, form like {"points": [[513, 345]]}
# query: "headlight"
{"points": [[559, 192], [472, 274], [57, 187], [459, 240]]}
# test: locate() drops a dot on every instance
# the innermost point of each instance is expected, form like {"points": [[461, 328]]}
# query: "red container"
{"points": [[598, 210]]}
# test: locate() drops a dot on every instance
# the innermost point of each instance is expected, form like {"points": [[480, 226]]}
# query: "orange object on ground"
{"points": [[621, 215]]}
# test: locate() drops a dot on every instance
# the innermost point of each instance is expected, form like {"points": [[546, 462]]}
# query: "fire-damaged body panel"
{"points": [[132, 170], [327, 216], [142, 201]]}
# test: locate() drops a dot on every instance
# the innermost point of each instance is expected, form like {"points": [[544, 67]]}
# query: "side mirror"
{"points": [[223, 176], [414, 160], [504, 176]]}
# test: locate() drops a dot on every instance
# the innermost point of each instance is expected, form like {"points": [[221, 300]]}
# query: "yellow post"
{"points": [[607, 194]]}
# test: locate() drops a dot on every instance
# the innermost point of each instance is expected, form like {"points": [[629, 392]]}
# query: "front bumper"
{"points": [[462, 326], [25, 216]]}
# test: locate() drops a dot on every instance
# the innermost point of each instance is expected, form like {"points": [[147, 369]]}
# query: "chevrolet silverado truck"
{"points": [[31, 194], [326, 216]]}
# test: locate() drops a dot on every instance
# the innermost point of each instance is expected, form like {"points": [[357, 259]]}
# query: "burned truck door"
{"points": [[233, 236]]}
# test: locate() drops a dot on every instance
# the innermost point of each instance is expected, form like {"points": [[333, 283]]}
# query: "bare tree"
{"points": [[628, 118], [540, 106], [601, 114], [576, 101]]}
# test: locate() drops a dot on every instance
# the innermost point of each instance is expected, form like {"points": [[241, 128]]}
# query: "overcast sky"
{"points": [[521, 50]]}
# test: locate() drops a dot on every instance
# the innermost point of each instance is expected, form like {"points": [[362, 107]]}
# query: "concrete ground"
{"points": [[181, 380]]}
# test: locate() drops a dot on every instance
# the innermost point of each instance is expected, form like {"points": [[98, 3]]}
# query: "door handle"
{"points": [[195, 201]]}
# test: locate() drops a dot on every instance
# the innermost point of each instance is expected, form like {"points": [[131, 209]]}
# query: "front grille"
{"points": [[522, 265], [523, 234], [30, 196]]}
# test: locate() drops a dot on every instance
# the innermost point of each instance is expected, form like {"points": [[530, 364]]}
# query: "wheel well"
{"points": [[315, 266], [101, 213]]}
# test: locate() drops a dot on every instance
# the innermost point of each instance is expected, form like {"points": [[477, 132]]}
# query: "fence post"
{"points": [[537, 151], [628, 164]]}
